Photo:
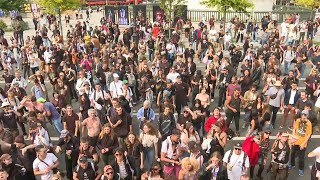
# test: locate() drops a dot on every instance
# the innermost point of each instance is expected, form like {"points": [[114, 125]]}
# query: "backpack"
{"points": [[244, 157], [92, 165], [131, 79]]}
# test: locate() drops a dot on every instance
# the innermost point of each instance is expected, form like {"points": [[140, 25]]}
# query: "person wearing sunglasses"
{"points": [[264, 149], [155, 173], [122, 166], [109, 174], [302, 129], [236, 161]]}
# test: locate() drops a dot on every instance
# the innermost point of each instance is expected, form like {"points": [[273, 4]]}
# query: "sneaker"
{"points": [[244, 126], [301, 172], [291, 167]]}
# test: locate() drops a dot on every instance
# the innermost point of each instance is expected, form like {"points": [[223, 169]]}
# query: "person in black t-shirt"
{"points": [[86, 170]]}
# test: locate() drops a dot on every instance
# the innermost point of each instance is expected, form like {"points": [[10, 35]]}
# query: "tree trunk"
{"points": [[60, 23], [224, 19]]}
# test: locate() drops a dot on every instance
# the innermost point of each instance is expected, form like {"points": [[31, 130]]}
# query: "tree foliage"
{"points": [[8, 5], [308, 3], [230, 5], [171, 8], [63, 5]]}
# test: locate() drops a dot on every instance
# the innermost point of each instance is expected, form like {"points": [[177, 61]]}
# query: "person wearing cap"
{"points": [[280, 154], [86, 170], [70, 146], [115, 86], [45, 163], [9, 118], [236, 161], [17, 78], [302, 129], [52, 113], [81, 82], [290, 100], [109, 174], [275, 98]]}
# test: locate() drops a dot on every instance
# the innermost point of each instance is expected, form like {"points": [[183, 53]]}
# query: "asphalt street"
{"points": [[314, 142]]}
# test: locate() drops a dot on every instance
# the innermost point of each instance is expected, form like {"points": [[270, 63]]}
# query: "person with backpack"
{"points": [[236, 161], [86, 170]]}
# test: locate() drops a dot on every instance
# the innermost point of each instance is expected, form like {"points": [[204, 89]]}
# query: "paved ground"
{"points": [[314, 142]]}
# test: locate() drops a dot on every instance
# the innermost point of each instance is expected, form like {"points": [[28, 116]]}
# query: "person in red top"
{"points": [[216, 116]]}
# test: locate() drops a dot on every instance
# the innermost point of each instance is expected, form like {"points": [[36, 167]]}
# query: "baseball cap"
{"points": [[238, 145], [305, 113], [64, 133], [83, 159], [125, 81]]}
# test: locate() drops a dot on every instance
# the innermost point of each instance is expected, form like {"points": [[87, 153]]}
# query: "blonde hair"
{"points": [[189, 160]]}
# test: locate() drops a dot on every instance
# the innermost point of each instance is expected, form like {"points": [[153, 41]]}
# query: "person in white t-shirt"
{"points": [[172, 75], [315, 174], [115, 86], [284, 31], [237, 164], [44, 163]]}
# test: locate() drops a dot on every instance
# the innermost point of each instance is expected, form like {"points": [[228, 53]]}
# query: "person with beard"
{"points": [[122, 124]]}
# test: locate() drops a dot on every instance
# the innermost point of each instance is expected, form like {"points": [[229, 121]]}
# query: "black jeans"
{"points": [[180, 103], [301, 153], [222, 96], [233, 115], [274, 111]]}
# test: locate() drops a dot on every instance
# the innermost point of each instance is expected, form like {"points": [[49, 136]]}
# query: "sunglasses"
{"points": [[237, 149], [118, 154], [156, 169], [303, 114], [109, 173]]}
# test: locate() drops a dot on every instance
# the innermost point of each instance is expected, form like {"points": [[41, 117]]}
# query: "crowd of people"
{"points": [[135, 103]]}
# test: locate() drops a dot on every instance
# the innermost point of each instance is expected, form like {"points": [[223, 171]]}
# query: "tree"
{"points": [[229, 5], [63, 5], [171, 8], [8, 5], [312, 4]]}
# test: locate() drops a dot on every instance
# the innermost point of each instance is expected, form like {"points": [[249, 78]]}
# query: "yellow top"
{"points": [[302, 130], [86, 39]]}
